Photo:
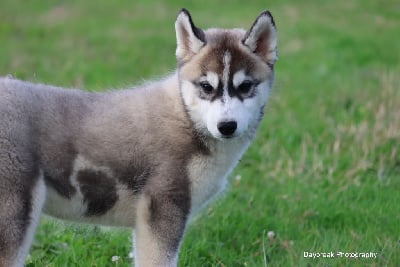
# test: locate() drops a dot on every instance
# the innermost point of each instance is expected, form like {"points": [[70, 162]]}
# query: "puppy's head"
{"points": [[225, 75]]}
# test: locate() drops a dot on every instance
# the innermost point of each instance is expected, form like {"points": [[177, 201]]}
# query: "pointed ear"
{"points": [[262, 38], [189, 38]]}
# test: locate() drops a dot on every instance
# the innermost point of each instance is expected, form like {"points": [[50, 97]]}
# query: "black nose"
{"points": [[227, 128]]}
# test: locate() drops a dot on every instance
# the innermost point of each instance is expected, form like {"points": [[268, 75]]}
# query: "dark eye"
{"points": [[245, 87], [206, 87]]}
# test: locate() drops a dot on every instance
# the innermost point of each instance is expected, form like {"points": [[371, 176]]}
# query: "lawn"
{"points": [[324, 171]]}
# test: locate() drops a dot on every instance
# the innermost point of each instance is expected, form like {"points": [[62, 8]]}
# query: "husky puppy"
{"points": [[146, 158]]}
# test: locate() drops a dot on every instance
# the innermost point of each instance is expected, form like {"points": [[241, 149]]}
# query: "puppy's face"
{"points": [[224, 79]]}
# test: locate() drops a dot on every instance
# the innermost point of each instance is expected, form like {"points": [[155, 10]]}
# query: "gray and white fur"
{"points": [[146, 157]]}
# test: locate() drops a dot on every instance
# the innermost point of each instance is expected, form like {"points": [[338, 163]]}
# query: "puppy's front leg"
{"points": [[160, 225]]}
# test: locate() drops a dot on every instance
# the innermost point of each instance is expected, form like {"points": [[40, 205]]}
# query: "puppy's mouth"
{"points": [[227, 137]]}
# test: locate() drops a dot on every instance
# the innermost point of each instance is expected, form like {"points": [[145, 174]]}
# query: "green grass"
{"points": [[324, 171]]}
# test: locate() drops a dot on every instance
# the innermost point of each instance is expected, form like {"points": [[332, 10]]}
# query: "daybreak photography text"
{"points": [[340, 254]]}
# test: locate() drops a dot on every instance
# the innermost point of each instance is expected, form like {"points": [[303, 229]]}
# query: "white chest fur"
{"points": [[208, 174]]}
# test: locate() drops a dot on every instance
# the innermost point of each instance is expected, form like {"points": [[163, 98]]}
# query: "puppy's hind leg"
{"points": [[21, 201], [159, 229]]}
